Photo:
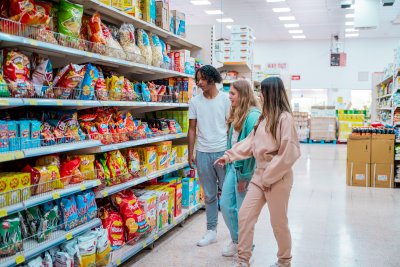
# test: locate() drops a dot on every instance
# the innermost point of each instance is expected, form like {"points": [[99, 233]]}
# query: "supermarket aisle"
{"points": [[332, 225]]}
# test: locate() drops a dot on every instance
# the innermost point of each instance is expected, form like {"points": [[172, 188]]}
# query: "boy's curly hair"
{"points": [[210, 74]]}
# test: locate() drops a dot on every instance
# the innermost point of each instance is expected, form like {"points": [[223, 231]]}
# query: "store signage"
{"points": [[338, 59], [296, 77], [277, 65]]}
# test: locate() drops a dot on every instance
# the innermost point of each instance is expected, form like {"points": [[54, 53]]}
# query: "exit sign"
{"points": [[296, 77]]}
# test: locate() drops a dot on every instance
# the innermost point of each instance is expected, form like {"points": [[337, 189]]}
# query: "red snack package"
{"points": [[70, 173], [127, 91], [134, 218], [25, 12], [67, 79], [35, 177], [101, 87], [100, 174], [112, 221], [43, 7], [87, 117], [90, 129], [95, 31]]}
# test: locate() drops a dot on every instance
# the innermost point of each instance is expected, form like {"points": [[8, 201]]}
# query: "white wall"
{"points": [[311, 60]]}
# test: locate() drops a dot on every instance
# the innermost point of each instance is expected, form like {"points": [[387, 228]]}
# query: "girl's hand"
{"points": [[242, 186], [220, 162]]}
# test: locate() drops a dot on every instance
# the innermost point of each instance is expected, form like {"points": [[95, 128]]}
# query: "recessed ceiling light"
{"points": [[200, 3], [295, 31], [214, 12], [281, 9], [352, 35], [224, 20], [294, 25], [299, 37], [351, 30], [229, 26], [275, 1], [349, 23], [287, 18], [349, 16]]}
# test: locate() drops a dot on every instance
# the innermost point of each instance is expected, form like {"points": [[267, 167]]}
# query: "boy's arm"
{"points": [[191, 141]]}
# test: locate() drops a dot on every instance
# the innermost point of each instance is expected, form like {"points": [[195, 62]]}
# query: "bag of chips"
{"points": [[10, 235], [114, 87], [35, 178], [156, 50], [100, 175], [112, 222], [95, 31], [70, 173], [127, 91], [45, 178], [88, 83], [128, 43], [87, 244], [69, 212], [69, 19], [133, 162], [67, 79], [101, 87], [143, 43], [25, 12], [48, 160], [42, 78], [87, 207], [103, 248]]}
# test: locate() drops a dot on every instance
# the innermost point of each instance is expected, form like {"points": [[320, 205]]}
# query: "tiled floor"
{"points": [[331, 224]]}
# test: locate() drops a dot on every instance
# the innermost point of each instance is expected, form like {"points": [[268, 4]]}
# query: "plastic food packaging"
{"points": [[63, 259], [87, 166], [114, 86], [25, 12], [103, 248], [88, 84], [70, 173], [87, 244], [101, 87], [67, 79], [42, 78], [143, 43], [128, 42], [133, 162], [71, 248], [10, 234], [69, 212], [156, 50], [69, 19], [127, 91], [112, 221]]}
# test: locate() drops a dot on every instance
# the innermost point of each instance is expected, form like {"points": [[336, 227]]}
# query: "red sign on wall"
{"points": [[296, 77]]}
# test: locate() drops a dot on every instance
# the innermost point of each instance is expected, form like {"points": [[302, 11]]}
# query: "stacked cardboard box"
{"points": [[323, 123], [346, 124], [370, 160], [162, 15], [301, 122]]}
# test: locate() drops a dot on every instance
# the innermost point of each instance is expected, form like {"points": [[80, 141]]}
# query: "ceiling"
{"points": [[319, 19]]}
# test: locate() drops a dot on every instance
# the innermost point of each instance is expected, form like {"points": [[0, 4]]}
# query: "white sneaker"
{"points": [[209, 238], [230, 250]]}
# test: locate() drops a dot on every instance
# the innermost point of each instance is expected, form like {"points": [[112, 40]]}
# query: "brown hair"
{"points": [[247, 99], [275, 103]]}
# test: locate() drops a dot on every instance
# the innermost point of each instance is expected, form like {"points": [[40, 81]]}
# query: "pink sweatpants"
{"points": [[277, 198]]}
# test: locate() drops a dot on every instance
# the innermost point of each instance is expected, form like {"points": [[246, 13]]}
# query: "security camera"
{"points": [[346, 3], [388, 2]]}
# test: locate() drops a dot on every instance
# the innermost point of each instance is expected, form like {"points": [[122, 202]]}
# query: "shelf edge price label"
{"points": [[56, 196], [59, 102], [83, 187], [105, 193], [118, 262], [19, 259], [33, 42], [68, 236], [98, 182], [155, 237], [19, 155], [144, 245], [3, 213], [32, 102], [4, 102]]}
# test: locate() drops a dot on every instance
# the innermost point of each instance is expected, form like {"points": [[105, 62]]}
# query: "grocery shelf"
{"points": [[145, 72], [386, 80], [45, 197], [117, 188], [241, 67], [8, 102], [385, 108], [56, 238], [118, 17], [128, 251], [384, 96], [134, 143]]}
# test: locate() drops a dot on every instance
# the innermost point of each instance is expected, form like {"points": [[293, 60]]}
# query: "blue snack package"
{"points": [[92, 210], [13, 134], [146, 93], [35, 134], [4, 136], [88, 83], [69, 212], [24, 134], [46, 207], [83, 206]]}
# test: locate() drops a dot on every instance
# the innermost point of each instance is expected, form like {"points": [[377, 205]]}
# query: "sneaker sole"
{"points": [[212, 242]]}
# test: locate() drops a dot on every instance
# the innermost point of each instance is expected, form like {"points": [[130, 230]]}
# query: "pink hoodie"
{"points": [[274, 158]]}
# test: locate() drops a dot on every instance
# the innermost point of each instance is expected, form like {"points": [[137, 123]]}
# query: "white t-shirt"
{"points": [[235, 137], [211, 115]]}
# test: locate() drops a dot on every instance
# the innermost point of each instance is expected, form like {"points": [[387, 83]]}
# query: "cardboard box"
{"points": [[162, 15], [359, 149], [118, 4], [323, 111], [241, 37], [149, 11], [323, 129], [179, 23], [241, 29], [382, 148], [358, 174], [382, 175], [179, 61], [242, 44], [129, 7]]}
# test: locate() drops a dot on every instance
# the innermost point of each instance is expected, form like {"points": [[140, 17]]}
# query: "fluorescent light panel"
{"points": [[352, 35], [299, 37], [293, 25], [349, 16], [295, 31], [275, 1], [281, 9], [201, 3], [349, 23], [224, 20], [214, 12], [287, 18], [229, 26], [351, 30]]}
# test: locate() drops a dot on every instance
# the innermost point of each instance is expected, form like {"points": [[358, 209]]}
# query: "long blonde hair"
{"points": [[275, 103], [247, 100]]}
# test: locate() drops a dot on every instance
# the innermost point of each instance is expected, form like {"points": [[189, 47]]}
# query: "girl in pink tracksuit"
{"points": [[275, 146]]}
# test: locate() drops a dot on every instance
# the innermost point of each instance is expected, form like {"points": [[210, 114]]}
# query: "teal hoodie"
{"points": [[245, 168]]}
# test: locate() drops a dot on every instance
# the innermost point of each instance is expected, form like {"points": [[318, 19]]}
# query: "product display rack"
{"points": [[128, 251], [61, 56], [386, 107]]}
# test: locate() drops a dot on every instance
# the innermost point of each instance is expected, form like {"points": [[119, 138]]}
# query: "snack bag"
{"points": [[114, 86], [148, 202], [48, 160], [103, 248], [86, 166], [25, 12], [101, 87], [63, 259], [112, 222], [100, 174], [48, 224], [16, 73], [69, 18], [156, 50], [35, 178], [174, 155], [55, 177], [70, 172], [95, 30], [87, 244], [127, 91], [89, 83], [10, 234], [47, 260], [133, 162], [82, 205], [128, 43], [42, 78], [69, 212], [143, 43], [36, 262], [45, 179], [71, 247], [92, 206], [67, 79]]}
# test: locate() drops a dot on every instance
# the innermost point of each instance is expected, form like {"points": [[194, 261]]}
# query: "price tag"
{"points": [[98, 182], [175, 223], [3, 213], [32, 102], [19, 155], [118, 262], [4, 102], [59, 102], [19, 259], [144, 244], [105, 193], [56, 196], [68, 236], [155, 237], [79, 103], [83, 187], [89, 54], [7, 157], [33, 42]]}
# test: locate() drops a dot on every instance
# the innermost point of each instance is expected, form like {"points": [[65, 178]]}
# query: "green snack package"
{"points": [[10, 236], [33, 218], [69, 19], [48, 224]]}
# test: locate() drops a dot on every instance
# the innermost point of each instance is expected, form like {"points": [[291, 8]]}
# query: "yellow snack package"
{"points": [[13, 187], [103, 248], [163, 155], [148, 155], [55, 177], [3, 190], [87, 249], [87, 166], [44, 184], [115, 85], [25, 185]]}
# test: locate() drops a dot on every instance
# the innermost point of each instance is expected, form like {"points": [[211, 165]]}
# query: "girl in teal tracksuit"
{"points": [[242, 119]]}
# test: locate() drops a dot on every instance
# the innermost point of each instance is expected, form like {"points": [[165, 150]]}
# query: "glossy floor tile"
{"points": [[331, 224]]}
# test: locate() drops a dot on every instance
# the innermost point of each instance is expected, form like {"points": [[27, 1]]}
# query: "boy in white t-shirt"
{"points": [[208, 112]]}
